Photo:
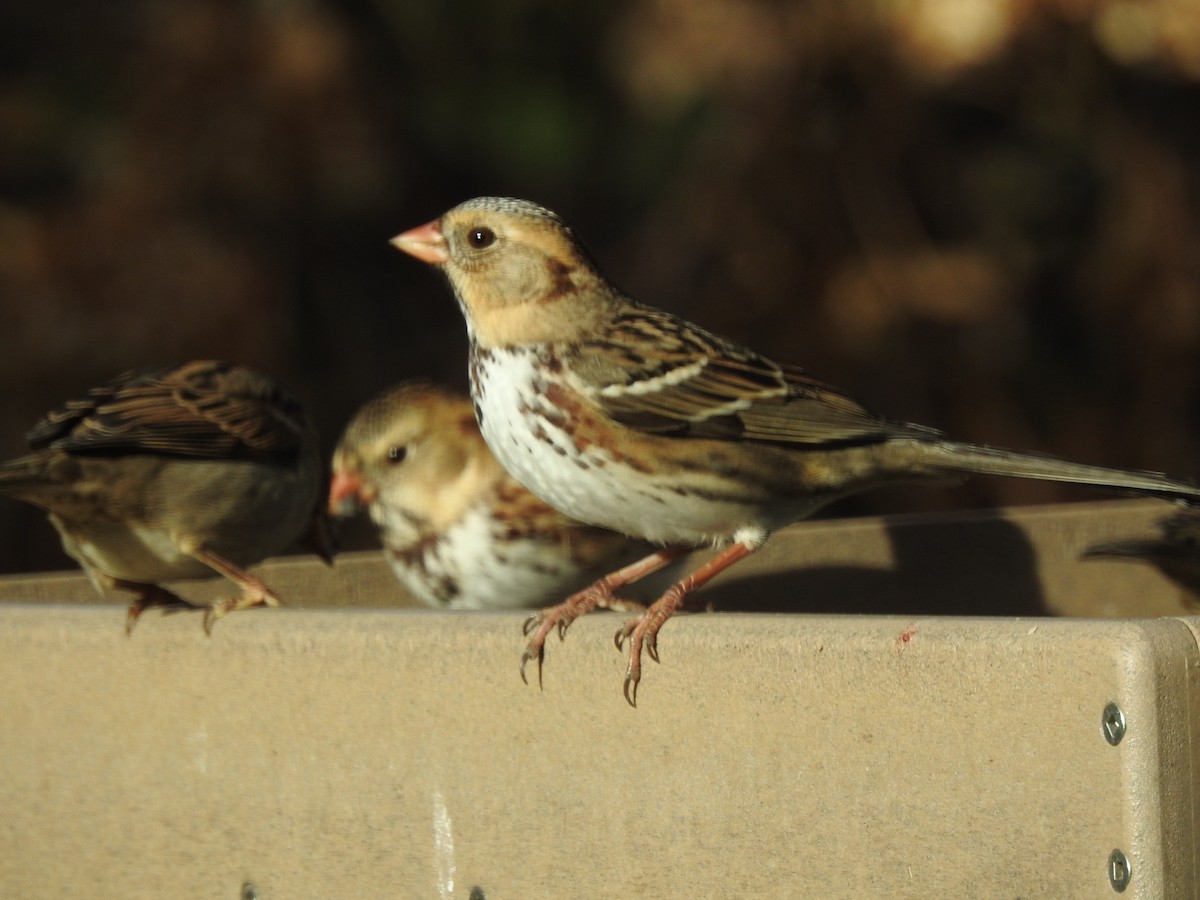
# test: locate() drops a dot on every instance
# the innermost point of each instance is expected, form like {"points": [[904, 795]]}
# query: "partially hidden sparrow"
{"points": [[459, 531], [629, 417], [1175, 552], [192, 471]]}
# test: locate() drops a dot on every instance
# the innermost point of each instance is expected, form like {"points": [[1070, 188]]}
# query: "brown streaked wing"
{"points": [[816, 413], [201, 410], [696, 384]]}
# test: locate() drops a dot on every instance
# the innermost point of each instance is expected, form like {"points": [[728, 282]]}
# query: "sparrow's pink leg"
{"points": [[599, 594], [255, 591], [643, 629]]}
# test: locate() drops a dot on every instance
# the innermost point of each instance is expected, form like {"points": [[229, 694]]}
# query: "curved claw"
{"points": [[642, 635], [600, 594], [532, 653], [633, 670], [631, 686], [623, 632], [539, 626], [652, 645]]}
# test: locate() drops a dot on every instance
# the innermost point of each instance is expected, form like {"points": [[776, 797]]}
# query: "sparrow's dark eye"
{"points": [[479, 238], [396, 454]]}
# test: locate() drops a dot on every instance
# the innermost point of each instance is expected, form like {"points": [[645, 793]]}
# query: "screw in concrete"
{"points": [[1113, 724], [1119, 871]]}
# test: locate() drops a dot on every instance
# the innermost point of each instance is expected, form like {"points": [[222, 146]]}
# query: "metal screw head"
{"points": [[1119, 871], [249, 891], [1113, 723]]}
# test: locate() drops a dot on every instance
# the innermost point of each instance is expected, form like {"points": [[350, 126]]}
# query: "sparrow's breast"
{"points": [[593, 469]]}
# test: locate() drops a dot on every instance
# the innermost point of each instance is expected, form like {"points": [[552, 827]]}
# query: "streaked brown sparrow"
{"points": [[631, 418], [191, 471]]}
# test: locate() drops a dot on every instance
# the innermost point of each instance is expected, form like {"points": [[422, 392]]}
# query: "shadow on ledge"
{"points": [[987, 569]]}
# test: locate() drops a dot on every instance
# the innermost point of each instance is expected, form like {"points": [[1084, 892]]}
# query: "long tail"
{"points": [[951, 456], [19, 476], [33, 480]]}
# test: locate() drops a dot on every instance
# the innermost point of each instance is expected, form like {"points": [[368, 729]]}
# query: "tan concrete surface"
{"points": [[332, 753]]}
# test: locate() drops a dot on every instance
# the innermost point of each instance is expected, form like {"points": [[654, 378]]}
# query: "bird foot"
{"points": [[541, 623], [149, 595], [642, 632], [253, 594], [599, 595], [255, 591]]}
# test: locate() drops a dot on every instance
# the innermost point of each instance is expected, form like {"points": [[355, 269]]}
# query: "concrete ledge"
{"points": [[395, 753]]}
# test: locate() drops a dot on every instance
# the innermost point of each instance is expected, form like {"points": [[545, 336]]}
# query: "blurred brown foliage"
{"points": [[976, 214]]}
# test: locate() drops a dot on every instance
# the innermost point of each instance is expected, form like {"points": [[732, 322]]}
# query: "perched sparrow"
{"points": [[1176, 553], [177, 473], [458, 530], [628, 417]]}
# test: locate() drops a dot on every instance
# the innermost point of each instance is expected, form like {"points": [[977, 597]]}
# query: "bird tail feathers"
{"points": [[952, 456]]}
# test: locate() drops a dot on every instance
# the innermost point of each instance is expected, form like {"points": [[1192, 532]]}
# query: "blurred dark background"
{"points": [[982, 215]]}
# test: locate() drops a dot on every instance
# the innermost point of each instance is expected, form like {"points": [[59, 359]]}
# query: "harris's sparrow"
{"points": [[631, 418], [186, 472], [457, 529]]}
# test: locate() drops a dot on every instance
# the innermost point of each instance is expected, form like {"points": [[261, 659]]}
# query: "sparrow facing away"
{"points": [[457, 529], [629, 417], [184, 472], [1175, 553]]}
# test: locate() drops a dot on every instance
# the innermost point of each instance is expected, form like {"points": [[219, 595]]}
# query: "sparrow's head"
{"points": [[413, 457], [517, 270]]}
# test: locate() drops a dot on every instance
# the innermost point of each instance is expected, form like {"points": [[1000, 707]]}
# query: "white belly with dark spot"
{"points": [[470, 567], [589, 485]]}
